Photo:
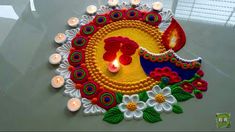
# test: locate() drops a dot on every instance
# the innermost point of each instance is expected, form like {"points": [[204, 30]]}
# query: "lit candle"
{"points": [[135, 2], [57, 81], [157, 6], [73, 22], [114, 67], [60, 38], [74, 104], [91, 9], [113, 3], [55, 59]]}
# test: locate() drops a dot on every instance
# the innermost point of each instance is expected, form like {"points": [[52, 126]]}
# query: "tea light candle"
{"points": [[91, 9], [73, 22], [135, 2], [157, 6], [57, 81], [114, 67], [60, 38], [74, 104], [55, 59], [113, 3]]}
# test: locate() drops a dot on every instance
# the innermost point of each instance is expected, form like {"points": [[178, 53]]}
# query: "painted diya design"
{"points": [[121, 61]]}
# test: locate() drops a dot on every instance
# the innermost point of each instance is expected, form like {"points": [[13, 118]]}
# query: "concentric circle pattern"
{"points": [[99, 77]]}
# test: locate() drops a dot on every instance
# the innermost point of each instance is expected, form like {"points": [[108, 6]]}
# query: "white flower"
{"points": [[161, 99], [132, 107], [70, 34], [71, 90], [91, 109], [64, 50], [63, 69]]}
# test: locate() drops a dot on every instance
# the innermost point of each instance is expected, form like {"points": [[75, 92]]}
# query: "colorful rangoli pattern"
{"points": [[152, 79]]}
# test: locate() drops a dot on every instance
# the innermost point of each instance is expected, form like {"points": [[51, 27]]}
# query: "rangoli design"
{"points": [[121, 61]]}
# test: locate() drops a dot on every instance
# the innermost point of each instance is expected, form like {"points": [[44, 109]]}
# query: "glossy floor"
{"points": [[29, 103]]}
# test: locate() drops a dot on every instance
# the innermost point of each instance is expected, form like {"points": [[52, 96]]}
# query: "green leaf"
{"points": [[150, 115], [113, 116], [181, 95], [143, 96], [119, 97], [177, 109]]}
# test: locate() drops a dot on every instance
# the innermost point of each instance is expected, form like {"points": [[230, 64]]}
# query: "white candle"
{"points": [[113, 3], [157, 6], [60, 38], [55, 59], [74, 104], [135, 2], [73, 22], [57, 81], [91, 9]]}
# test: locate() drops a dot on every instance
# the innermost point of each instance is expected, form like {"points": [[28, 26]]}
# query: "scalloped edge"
{"points": [[199, 59]]}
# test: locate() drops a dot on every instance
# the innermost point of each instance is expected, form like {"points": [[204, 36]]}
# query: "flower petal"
{"points": [[69, 92], [85, 101], [151, 102], [88, 109], [122, 107], [126, 99], [166, 91], [69, 81], [77, 94], [151, 94], [156, 89], [166, 106], [87, 105], [158, 107], [134, 98], [102, 110], [138, 114], [93, 109], [141, 105], [170, 99], [128, 115]]}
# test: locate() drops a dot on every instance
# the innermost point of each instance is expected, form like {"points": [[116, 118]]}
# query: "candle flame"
{"points": [[74, 103], [58, 80], [173, 40], [115, 63], [55, 57]]}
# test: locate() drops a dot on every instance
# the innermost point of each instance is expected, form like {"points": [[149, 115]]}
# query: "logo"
{"points": [[223, 120]]}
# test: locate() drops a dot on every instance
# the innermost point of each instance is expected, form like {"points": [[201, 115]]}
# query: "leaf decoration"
{"points": [[119, 98], [143, 96], [113, 116], [177, 109], [181, 95], [150, 115]]}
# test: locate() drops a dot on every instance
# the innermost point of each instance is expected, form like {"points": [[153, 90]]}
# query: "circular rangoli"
{"points": [[121, 61]]}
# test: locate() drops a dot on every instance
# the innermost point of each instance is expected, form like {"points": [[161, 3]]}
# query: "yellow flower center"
{"points": [[160, 98], [199, 83], [132, 106]]}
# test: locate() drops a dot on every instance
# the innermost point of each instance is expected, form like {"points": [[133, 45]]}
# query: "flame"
{"points": [[57, 80], [74, 103], [173, 39], [116, 63]]}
